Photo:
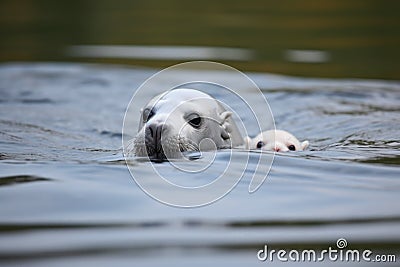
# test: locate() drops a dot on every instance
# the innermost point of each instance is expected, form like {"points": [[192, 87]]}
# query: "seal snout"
{"points": [[154, 133]]}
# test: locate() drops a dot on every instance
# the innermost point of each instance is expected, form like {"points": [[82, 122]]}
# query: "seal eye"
{"points": [[195, 122], [260, 144], [292, 147], [147, 114]]}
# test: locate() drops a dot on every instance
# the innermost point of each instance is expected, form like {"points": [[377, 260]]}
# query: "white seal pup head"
{"points": [[275, 140], [183, 120]]}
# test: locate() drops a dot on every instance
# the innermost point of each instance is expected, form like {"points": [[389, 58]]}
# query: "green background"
{"points": [[362, 37]]}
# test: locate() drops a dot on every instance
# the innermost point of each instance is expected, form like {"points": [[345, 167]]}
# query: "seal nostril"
{"points": [[151, 131], [155, 132], [153, 128]]}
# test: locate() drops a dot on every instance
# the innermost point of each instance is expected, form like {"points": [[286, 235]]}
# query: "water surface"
{"points": [[68, 198]]}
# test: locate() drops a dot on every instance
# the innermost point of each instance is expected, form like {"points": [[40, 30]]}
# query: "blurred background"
{"points": [[67, 196], [354, 38]]}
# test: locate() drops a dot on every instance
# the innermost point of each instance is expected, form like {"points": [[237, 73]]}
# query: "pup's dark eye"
{"points": [[147, 114], [292, 147], [260, 144], [195, 122]]}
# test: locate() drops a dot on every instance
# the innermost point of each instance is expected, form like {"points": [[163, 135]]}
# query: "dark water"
{"points": [[68, 198]]}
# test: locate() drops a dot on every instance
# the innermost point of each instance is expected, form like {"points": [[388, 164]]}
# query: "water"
{"points": [[68, 198]]}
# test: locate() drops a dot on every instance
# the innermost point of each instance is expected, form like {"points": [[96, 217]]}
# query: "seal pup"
{"points": [[182, 120], [275, 140]]}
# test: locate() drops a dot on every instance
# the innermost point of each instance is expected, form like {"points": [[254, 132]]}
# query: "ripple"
{"points": [[20, 179]]}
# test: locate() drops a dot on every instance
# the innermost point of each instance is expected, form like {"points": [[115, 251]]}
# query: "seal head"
{"points": [[184, 120], [275, 140]]}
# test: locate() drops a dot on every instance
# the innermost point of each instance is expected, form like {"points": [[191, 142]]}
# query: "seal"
{"points": [[275, 140], [182, 120]]}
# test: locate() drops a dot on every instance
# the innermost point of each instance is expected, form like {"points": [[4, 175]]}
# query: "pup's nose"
{"points": [[277, 149]]}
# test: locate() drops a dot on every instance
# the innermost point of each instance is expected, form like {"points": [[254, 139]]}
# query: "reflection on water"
{"points": [[12, 180], [68, 197], [310, 56], [160, 52]]}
